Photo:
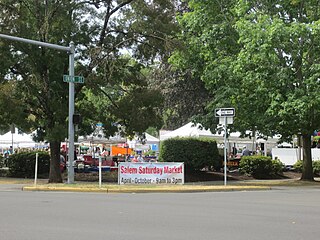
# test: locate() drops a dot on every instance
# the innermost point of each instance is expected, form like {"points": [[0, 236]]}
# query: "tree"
{"points": [[124, 101], [185, 95], [120, 82], [35, 73], [102, 31], [261, 58]]}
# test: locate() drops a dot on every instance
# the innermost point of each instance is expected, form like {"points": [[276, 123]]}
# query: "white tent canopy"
{"points": [[196, 130], [150, 140], [18, 139], [188, 130], [101, 139]]}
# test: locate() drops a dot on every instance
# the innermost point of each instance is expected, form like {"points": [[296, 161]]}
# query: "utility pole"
{"points": [[70, 50]]}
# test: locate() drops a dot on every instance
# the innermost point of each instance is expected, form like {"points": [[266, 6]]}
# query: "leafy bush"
{"points": [[94, 176], [277, 167], [316, 166], [23, 164], [2, 162], [298, 166], [260, 167], [4, 172], [196, 153]]}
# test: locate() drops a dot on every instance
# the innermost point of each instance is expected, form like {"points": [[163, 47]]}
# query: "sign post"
{"points": [[224, 114]]}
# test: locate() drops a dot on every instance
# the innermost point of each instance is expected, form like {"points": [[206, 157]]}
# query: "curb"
{"points": [[133, 189]]}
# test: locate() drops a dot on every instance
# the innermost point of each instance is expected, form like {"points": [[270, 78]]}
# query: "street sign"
{"points": [[75, 79], [225, 120], [225, 112]]}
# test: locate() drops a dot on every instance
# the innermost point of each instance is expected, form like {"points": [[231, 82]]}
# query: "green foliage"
{"points": [[2, 161], [277, 166], [150, 153], [262, 59], [94, 177], [298, 166], [184, 94], [23, 164], [153, 132], [316, 167], [196, 153], [115, 85], [260, 167], [121, 90]]}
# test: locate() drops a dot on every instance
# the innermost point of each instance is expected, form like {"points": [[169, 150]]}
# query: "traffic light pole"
{"points": [[71, 113], [70, 50]]}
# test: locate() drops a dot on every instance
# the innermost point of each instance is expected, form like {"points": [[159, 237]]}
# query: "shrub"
{"points": [[2, 162], [196, 153], [277, 167], [94, 176], [4, 172], [260, 167], [298, 166], [23, 164], [316, 166]]}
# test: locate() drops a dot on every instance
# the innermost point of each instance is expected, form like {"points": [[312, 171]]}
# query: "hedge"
{"points": [[22, 165], [196, 153], [260, 167]]}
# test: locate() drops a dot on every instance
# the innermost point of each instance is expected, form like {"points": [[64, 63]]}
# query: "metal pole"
{"points": [[71, 112], [36, 170], [12, 149], [100, 172], [225, 151], [43, 44], [70, 50]]}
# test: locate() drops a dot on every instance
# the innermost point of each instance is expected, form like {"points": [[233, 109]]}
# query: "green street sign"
{"points": [[74, 79]]}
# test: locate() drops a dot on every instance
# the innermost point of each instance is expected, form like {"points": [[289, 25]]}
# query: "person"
{"points": [[318, 144], [62, 163], [258, 151], [6, 156], [140, 158], [134, 159], [245, 151], [62, 159]]}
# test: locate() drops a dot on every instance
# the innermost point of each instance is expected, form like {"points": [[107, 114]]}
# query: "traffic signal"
{"points": [[76, 119]]}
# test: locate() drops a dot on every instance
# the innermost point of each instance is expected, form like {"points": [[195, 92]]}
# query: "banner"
{"points": [[151, 173]]}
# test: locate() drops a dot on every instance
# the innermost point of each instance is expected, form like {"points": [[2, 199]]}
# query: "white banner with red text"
{"points": [[151, 173]]}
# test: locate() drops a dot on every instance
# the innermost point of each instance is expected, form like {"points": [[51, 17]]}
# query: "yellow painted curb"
{"points": [[134, 189]]}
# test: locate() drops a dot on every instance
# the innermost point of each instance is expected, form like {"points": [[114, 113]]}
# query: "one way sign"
{"points": [[225, 112]]}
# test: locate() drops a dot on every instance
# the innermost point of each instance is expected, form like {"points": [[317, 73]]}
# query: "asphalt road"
{"points": [[274, 214]]}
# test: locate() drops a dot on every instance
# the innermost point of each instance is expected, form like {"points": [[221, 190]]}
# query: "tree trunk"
{"points": [[307, 171], [55, 173]]}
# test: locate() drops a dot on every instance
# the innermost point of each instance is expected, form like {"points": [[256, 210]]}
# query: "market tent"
{"points": [[101, 139], [151, 139], [118, 150], [234, 139], [151, 142], [18, 139], [188, 130]]}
